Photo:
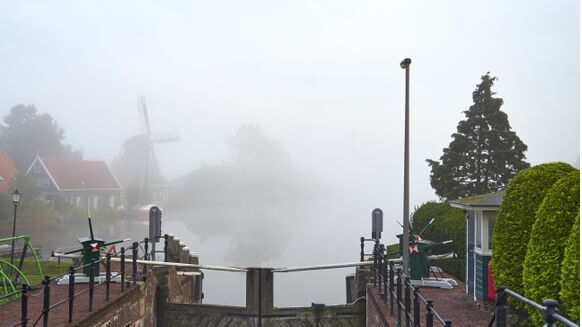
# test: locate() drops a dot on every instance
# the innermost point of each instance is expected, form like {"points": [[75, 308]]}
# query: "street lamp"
{"points": [[405, 64], [15, 201]]}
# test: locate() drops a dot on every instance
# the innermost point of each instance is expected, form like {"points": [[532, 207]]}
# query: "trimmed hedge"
{"points": [[549, 235], [449, 224], [570, 282], [516, 217]]}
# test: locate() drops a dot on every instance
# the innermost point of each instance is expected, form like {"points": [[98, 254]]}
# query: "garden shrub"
{"points": [[516, 217], [549, 235], [570, 282]]}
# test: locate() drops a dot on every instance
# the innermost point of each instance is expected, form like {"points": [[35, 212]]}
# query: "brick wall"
{"points": [[134, 308]]}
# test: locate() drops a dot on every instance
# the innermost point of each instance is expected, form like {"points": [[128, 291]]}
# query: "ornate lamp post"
{"points": [[405, 64], [15, 201]]}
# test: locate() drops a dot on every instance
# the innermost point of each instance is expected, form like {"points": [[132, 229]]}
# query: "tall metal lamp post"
{"points": [[405, 64], [15, 201]]}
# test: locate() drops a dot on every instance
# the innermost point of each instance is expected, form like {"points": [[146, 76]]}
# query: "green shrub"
{"points": [[516, 217], [570, 282], [449, 224], [549, 235]]}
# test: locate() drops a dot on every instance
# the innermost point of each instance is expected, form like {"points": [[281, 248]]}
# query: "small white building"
{"points": [[481, 212]]}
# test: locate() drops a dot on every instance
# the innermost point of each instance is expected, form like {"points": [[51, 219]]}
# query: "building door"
{"points": [[470, 282]]}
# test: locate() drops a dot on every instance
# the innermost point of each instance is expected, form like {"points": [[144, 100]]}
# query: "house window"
{"points": [[111, 201], [36, 168], [44, 182], [478, 229]]}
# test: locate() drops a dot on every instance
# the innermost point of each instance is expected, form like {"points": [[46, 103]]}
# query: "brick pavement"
{"points": [[10, 313]]}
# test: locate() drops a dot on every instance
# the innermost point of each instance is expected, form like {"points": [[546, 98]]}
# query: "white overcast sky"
{"points": [[321, 76]]}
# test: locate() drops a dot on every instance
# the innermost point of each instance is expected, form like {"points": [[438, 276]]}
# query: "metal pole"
{"points": [[13, 236], [24, 301], [71, 292], [91, 284], [107, 276], [46, 301], [122, 269], [429, 314], [134, 262], [362, 248], [405, 64], [399, 297]]}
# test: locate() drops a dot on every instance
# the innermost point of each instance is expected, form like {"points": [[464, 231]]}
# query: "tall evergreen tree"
{"points": [[484, 154]]}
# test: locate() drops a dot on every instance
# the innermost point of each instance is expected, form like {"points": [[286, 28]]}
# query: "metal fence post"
{"points": [[91, 284], [399, 296], [107, 275], [384, 271], [429, 315], [166, 236], [407, 300], [550, 308], [24, 300], [501, 307], [362, 239], [46, 300], [145, 255], [416, 302], [71, 292], [122, 268], [391, 281], [134, 262], [375, 272]]}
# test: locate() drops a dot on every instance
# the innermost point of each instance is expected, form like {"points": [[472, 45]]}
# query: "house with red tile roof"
{"points": [[8, 172], [80, 183]]}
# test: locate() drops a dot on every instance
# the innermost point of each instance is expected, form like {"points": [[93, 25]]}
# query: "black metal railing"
{"points": [[398, 292], [74, 291], [548, 309]]}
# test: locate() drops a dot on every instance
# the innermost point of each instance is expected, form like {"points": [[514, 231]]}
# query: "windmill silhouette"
{"points": [[137, 166]]}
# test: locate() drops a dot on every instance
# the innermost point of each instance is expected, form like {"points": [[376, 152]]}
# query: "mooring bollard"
{"points": [[71, 292], [107, 275], [122, 268], [24, 301], [429, 315], [46, 300]]}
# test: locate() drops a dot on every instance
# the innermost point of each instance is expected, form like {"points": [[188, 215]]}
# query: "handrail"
{"points": [[548, 308]]}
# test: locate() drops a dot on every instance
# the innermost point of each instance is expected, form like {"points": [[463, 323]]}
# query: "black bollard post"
{"points": [[362, 249], [91, 284], [384, 275], [391, 281], [399, 296], [107, 275], [448, 323], [24, 301], [416, 301], [134, 262], [501, 307], [145, 255], [122, 268], [375, 269], [429, 315], [550, 308], [46, 300], [407, 300], [165, 247], [71, 292]]}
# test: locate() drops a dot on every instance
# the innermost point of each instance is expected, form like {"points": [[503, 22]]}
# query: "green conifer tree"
{"points": [[484, 154]]}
